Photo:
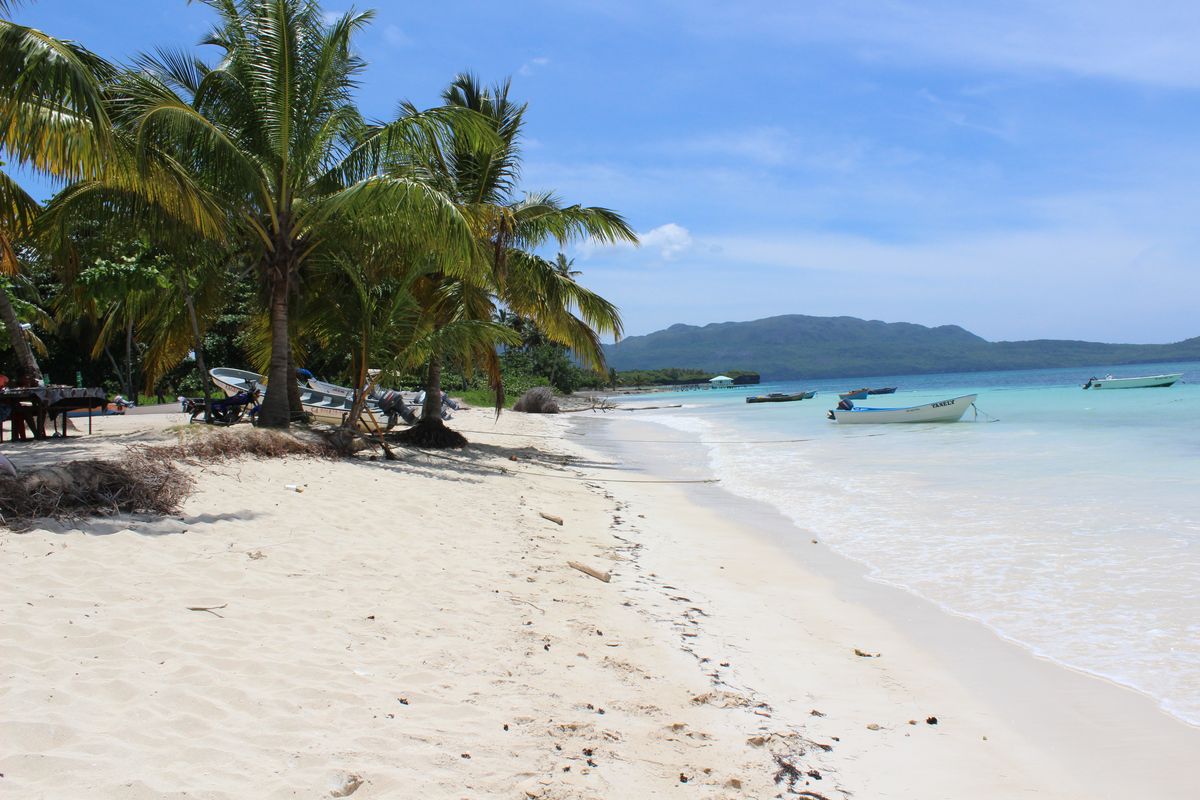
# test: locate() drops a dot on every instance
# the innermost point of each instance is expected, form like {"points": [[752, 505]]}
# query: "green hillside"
{"points": [[794, 346]]}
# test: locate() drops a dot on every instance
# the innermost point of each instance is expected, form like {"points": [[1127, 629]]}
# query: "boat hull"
{"points": [[780, 398], [1144, 382], [942, 411]]}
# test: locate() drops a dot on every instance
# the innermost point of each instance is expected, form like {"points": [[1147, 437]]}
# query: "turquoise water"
{"points": [[1070, 524]]}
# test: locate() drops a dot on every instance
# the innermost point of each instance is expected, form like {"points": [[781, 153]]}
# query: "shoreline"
{"points": [[1092, 725], [415, 627]]}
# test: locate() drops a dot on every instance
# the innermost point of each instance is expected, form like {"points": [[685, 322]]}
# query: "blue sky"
{"points": [[1023, 169]]}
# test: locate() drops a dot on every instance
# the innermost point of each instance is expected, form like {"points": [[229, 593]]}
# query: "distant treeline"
{"points": [[675, 376]]}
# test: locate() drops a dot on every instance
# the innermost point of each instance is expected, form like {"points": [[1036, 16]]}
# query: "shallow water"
{"points": [[1069, 524]]}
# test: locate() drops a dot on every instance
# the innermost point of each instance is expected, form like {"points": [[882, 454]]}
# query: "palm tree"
{"points": [[265, 150], [52, 120], [509, 227]]}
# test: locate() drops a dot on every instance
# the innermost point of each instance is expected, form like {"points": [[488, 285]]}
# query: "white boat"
{"points": [[942, 411], [328, 407], [1144, 382]]}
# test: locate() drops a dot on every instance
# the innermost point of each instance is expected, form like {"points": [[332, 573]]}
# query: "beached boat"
{"points": [[780, 397], [885, 390], [328, 407], [1143, 382], [942, 411]]}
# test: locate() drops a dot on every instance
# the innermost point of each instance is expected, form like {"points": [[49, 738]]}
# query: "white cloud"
{"points": [[667, 241], [532, 65], [670, 240], [1123, 39], [396, 37]]}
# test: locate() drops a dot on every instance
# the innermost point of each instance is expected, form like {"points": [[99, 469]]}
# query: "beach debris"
{"points": [[864, 654], [538, 400], [132, 483], [912, 722], [204, 446], [402, 700], [599, 575], [815, 713], [683, 778], [291, 487], [210, 609], [348, 786], [873, 726], [466, 755], [931, 720], [787, 772], [551, 517], [256, 555]]}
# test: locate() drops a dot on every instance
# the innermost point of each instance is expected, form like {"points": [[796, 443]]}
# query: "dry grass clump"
{"points": [[212, 447], [135, 483], [145, 479], [539, 400]]}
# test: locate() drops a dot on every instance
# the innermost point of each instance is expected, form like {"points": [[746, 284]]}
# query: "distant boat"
{"points": [[887, 390], [942, 411], [861, 394], [1144, 382], [780, 397]]}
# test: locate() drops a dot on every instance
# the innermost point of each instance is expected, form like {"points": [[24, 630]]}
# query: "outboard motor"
{"points": [[392, 404], [1091, 380]]}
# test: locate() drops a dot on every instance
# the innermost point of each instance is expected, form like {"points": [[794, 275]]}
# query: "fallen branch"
{"points": [[210, 609], [586, 570], [551, 517]]}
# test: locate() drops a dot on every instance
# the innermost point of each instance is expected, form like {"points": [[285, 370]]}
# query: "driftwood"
{"points": [[210, 609], [586, 570], [551, 517]]}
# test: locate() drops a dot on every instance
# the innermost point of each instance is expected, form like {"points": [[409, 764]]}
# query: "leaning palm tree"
{"points": [[509, 228], [53, 121], [270, 136]]}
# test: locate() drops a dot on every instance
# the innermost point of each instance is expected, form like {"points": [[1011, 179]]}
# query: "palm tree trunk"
{"points": [[31, 374], [430, 431], [198, 349], [130, 394], [275, 413], [295, 408]]}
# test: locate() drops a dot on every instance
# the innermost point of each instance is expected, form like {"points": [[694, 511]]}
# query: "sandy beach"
{"points": [[414, 629]]}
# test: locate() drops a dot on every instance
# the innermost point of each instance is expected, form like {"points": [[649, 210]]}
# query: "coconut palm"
{"points": [[270, 138], [53, 121], [509, 227]]}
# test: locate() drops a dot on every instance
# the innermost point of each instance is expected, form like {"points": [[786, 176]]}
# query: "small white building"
{"points": [[720, 382]]}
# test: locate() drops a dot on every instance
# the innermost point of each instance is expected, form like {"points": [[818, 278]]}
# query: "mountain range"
{"points": [[797, 346]]}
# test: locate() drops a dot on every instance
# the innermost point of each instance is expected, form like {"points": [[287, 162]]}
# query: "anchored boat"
{"points": [[1144, 382], [942, 411], [861, 394], [780, 397]]}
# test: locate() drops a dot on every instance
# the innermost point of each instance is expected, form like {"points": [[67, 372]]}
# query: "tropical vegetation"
{"points": [[242, 210]]}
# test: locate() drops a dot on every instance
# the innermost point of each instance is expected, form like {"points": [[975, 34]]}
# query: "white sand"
{"points": [[413, 630]]}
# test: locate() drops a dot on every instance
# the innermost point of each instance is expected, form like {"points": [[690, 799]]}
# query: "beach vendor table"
{"points": [[35, 405]]}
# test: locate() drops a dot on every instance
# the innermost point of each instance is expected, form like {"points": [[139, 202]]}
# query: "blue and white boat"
{"points": [[942, 411]]}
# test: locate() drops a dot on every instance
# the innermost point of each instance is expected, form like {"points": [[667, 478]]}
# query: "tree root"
{"points": [[431, 434]]}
